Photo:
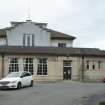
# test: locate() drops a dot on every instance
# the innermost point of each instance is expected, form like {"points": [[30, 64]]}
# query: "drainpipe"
{"points": [[82, 77], [2, 65]]}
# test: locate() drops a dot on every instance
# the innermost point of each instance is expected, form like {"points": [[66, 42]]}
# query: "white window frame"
{"points": [[28, 40], [13, 65], [27, 65], [42, 68]]}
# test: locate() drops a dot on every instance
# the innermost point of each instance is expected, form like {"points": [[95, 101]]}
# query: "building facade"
{"points": [[48, 54]]}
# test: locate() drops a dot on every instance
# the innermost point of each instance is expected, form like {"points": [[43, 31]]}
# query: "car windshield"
{"points": [[14, 74]]}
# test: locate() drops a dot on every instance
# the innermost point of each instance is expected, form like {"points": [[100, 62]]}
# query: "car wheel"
{"points": [[19, 85], [31, 84]]}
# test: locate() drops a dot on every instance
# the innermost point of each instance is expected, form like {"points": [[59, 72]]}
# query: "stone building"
{"points": [[49, 55]]}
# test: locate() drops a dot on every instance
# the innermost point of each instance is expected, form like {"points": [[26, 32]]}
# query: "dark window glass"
{"points": [[33, 37], [93, 66], [27, 74], [61, 44], [87, 64], [67, 62], [28, 40]]}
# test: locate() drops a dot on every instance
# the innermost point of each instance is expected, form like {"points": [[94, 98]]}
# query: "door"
{"points": [[23, 80], [67, 73], [67, 69]]}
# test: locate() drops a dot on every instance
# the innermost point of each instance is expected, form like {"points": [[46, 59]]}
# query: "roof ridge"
{"points": [[19, 22]]}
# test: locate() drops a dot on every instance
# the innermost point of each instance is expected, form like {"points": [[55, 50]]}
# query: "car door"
{"points": [[28, 78], [24, 79]]}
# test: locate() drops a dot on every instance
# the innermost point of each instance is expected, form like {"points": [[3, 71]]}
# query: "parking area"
{"points": [[57, 93]]}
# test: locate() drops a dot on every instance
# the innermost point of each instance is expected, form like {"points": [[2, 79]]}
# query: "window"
{"points": [[100, 64], [13, 66], [27, 74], [61, 44], [87, 65], [28, 64], [67, 63], [93, 66], [28, 40], [42, 66]]}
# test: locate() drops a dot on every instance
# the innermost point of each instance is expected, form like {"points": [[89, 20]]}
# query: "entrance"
{"points": [[67, 73], [67, 70]]}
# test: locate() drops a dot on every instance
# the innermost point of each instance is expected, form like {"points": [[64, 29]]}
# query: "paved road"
{"points": [[59, 93]]}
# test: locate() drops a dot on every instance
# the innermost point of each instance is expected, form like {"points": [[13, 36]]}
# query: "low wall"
{"points": [[47, 78], [94, 75]]}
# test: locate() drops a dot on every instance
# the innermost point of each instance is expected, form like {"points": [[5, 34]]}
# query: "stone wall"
{"points": [[95, 74], [55, 67]]}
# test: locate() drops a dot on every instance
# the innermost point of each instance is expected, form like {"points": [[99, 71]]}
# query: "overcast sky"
{"points": [[84, 19]]}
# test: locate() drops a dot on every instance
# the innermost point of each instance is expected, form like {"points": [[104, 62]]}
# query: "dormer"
{"points": [[59, 39]]}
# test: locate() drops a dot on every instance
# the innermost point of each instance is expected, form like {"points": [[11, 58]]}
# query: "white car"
{"points": [[16, 80]]}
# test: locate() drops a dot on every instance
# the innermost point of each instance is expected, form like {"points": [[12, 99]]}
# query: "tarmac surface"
{"points": [[57, 93]]}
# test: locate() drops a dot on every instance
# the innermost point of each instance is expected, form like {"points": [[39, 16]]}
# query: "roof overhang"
{"points": [[54, 51]]}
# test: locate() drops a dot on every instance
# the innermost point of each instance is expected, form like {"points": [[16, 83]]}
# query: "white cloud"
{"points": [[84, 19]]}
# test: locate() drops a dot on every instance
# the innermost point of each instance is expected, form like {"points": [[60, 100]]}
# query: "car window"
{"points": [[23, 74], [27, 74]]}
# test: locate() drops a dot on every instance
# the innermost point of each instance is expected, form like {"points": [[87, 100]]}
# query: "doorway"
{"points": [[67, 70]]}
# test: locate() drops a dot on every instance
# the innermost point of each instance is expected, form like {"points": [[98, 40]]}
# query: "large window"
{"points": [[42, 66], [28, 64], [13, 66], [87, 65], [61, 44], [100, 64], [93, 66], [28, 40]]}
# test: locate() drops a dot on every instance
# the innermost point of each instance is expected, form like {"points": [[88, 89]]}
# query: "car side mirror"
{"points": [[21, 76]]}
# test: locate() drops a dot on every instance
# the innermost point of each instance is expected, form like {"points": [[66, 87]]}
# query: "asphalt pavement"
{"points": [[57, 93]]}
